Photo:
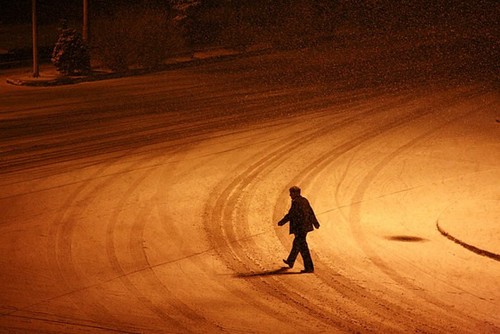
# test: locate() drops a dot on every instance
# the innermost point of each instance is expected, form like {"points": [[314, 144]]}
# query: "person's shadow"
{"points": [[280, 271]]}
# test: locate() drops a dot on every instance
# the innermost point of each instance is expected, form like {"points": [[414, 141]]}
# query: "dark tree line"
{"points": [[304, 21], [280, 22]]}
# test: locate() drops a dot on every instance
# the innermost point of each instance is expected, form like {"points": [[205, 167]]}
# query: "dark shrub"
{"points": [[240, 24], [156, 37], [111, 40], [136, 36]]}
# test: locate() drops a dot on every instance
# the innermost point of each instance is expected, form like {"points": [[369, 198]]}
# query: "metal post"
{"points": [[34, 24], [86, 26]]}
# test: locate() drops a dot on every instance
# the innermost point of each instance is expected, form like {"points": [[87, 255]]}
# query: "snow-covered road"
{"points": [[149, 204]]}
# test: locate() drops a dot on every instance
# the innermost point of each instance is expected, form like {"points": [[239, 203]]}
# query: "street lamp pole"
{"points": [[86, 25], [34, 25]]}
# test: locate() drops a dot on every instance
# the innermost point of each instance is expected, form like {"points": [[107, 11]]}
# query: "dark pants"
{"points": [[300, 246]]}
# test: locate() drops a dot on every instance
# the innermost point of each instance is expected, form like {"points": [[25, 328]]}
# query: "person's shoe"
{"points": [[305, 271], [289, 264]]}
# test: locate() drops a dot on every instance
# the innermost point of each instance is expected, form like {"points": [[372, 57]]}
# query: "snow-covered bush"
{"points": [[71, 55]]}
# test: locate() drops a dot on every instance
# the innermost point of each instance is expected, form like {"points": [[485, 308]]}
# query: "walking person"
{"points": [[302, 221]]}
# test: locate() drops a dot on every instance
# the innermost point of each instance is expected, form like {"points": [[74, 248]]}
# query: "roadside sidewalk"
{"points": [[49, 76]]}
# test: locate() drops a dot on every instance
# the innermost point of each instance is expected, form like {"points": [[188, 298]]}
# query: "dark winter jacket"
{"points": [[301, 217]]}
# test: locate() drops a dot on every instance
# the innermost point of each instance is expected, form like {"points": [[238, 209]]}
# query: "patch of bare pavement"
{"points": [[149, 204]]}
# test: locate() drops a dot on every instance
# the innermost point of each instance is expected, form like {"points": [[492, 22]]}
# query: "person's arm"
{"points": [[284, 220], [288, 216], [315, 221], [312, 216]]}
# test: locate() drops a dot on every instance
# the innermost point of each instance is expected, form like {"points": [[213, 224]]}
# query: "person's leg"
{"points": [[304, 252], [293, 253]]}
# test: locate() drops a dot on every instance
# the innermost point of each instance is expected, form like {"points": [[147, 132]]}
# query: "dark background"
{"points": [[396, 13], [468, 27], [53, 10]]}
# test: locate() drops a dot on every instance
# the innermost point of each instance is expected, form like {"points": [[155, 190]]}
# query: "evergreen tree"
{"points": [[71, 55]]}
